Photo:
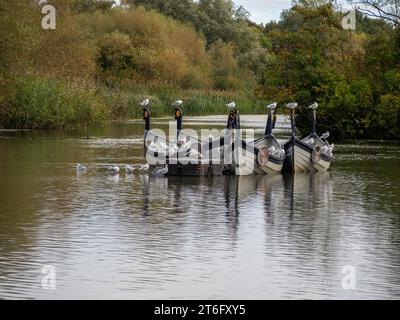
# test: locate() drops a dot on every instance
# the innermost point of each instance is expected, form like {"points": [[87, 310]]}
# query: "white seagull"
{"points": [[145, 103], [271, 150], [114, 169], [272, 106], [292, 105], [177, 103], [231, 105], [129, 169], [80, 168]]}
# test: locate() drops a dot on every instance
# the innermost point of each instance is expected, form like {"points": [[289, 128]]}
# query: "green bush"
{"points": [[45, 103]]}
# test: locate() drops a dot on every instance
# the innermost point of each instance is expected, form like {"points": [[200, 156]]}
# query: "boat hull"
{"points": [[302, 159], [249, 163]]}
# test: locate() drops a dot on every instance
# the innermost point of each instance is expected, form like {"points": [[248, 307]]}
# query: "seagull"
{"points": [[272, 149], [144, 167], [314, 106], [292, 105], [177, 103], [80, 168], [129, 169], [272, 106], [325, 135], [161, 172], [231, 105], [145, 103], [310, 141], [114, 169]]}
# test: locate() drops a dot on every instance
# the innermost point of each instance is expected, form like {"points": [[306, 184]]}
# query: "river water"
{"points": [[328, 236]]}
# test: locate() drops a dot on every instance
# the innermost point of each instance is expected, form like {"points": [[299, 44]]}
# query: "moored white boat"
{"points": [[262, 156], [309, 155]]}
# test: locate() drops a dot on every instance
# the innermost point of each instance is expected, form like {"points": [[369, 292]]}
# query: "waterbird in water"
{"points": [[114, 169], [129, 169], [144, 167], [80, 168]]}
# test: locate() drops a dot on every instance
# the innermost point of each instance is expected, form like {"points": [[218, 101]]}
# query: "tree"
{"points": [[385, 9]]}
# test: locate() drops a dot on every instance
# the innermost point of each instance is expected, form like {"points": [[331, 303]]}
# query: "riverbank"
{"points": [[38, 103]]}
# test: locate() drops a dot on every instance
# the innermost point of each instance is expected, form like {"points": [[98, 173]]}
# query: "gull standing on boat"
{"points": [[145, 103]]}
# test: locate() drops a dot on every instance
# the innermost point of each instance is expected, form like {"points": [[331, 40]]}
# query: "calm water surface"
{"points": [[142, 237]]}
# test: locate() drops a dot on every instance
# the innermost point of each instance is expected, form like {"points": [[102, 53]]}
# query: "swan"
{"points": [[310, 141]]}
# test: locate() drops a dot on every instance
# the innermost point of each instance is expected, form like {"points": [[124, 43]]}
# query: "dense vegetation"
{"points": [[102, 60]]}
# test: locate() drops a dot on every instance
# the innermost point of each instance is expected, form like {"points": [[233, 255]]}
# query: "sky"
{"points": [[263, 11]]}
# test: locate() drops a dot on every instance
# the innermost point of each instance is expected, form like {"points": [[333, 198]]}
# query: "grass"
{"points": [[39, 103]]}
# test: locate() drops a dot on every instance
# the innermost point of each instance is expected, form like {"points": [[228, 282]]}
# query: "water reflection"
{"points": [[138, 236]]}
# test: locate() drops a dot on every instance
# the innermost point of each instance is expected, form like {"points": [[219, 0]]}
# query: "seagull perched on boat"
{"points": [[272, 149], [328, 150], [231, 105], [129, 169], [272, 106], [80, 168], [314, 106], [292, 105], [145, 103], [144, 167], [177, 103], [325, 135], [310, 141], [114, 169]]}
